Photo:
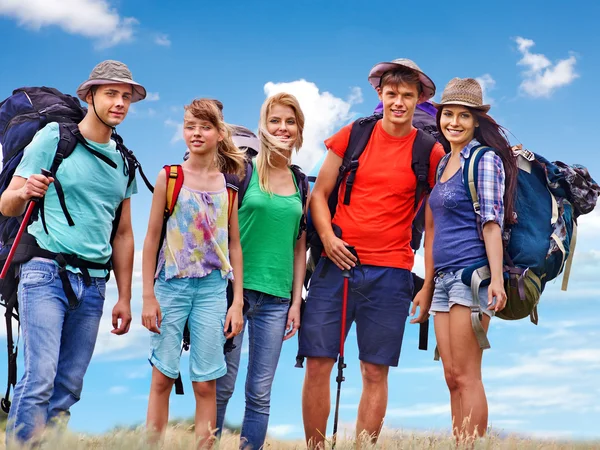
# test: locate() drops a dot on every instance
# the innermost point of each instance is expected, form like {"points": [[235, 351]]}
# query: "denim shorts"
{"points": [[203, 303], [450, 290], [378, 301]]}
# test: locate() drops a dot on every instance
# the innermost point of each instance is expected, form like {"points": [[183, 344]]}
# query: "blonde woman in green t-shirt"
{"points": [[274, 263]]}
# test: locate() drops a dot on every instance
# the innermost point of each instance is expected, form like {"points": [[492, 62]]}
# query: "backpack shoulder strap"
{"points": [[302, 183], [67, 141], [232, 182], [471, 173], [174, 176], [421, 156], [359, 137], [243, 184]]}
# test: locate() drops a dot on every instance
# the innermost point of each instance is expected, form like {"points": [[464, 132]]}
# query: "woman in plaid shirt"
{"points": [[457, 236]]}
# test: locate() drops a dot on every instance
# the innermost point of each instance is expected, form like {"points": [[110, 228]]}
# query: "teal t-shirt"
{"points": [[268, 231], [93, 192]]}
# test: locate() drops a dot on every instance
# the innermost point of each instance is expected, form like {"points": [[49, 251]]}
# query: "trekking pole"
{"points": [[22, 229], [341, 365]]}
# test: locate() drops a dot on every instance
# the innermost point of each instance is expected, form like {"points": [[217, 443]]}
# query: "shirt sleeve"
{"points": [[437, 153], [338, 143], [490, 188], [40, 152], [132, 188]]}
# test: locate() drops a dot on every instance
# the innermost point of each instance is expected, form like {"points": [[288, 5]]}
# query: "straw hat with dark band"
{"points": [[111, 72], [465, 92]]}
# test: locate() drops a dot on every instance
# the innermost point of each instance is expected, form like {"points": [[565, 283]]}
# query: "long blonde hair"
{"points": [[270, 146], [230, 159]]}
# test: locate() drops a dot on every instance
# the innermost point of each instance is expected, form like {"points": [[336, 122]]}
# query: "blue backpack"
{"points": [[539, 247], [22, 115]]}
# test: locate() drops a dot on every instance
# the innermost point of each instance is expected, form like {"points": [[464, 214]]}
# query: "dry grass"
{"points": [[182, 437]]}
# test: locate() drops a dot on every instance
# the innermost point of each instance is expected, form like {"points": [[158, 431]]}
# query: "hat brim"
{"points": [[379, 69], [484, 108], [139, 91]]}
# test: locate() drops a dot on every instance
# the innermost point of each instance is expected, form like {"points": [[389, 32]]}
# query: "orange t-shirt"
{"points": [[378, 220]]}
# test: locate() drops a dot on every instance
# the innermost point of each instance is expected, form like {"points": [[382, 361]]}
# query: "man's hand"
{"points": [[36, 186], [423, 301], [235, 320], [336, 251], [122, 312], [293, 322], [151, 314]]}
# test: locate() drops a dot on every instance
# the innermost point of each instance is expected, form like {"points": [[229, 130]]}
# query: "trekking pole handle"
{"points": [[351, 249], [22, 228]]}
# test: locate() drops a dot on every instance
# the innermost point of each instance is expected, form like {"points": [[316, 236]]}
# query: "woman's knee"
{"points": [[205, 389], [160, 382]]}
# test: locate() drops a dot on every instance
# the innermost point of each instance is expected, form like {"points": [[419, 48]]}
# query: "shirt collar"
{"points": [[466, 152]]}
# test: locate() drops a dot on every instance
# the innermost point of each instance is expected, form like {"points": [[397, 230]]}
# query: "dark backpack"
{"points": [[22, 115], [550, 196]]}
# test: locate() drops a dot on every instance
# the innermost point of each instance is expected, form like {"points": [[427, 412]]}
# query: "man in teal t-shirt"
{"points": [[60, 328]]}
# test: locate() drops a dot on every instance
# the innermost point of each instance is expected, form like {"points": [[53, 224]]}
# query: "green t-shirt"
{"points": [[268, 230], [93, 192]]}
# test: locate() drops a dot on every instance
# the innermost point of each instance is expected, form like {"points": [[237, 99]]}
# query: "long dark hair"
{"points": [[491, 134]]}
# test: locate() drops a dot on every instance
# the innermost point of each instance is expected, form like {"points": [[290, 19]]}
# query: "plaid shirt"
{"points": [[490, 183]]}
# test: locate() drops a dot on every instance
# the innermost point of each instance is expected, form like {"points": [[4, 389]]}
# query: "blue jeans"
{"points": [[266, 318], [58, 342]]}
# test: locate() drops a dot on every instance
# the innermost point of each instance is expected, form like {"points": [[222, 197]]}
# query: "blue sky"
{"points": [[538, 61]]}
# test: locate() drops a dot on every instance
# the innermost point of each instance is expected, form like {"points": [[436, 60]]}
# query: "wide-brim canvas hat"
{"points": [[379, 69], [111, 72], [464, 92]]}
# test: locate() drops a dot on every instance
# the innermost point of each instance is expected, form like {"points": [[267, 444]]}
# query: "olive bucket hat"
{"points": [[111, 72]]}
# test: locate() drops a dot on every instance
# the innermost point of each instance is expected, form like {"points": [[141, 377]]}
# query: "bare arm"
{"points": [[20, 190], [334, 248], [151, 313], [424, 296], [235, 313], [492, 237], [293, 322], [122, 258]]}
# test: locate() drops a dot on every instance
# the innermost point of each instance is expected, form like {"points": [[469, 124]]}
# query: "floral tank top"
{"points": [[197, 236]]}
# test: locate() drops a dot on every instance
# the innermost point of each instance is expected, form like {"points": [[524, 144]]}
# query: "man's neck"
{"points": [[397, 130], [92, 129]]}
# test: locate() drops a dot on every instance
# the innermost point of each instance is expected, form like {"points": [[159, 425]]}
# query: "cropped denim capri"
{"points": [[450, 291], [202, 302]]}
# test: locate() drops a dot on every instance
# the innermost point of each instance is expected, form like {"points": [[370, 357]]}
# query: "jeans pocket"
{"points": [[36, 278], [101, 286], [285, 301]]}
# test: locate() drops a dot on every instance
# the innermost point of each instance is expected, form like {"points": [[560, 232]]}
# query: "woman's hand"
{"points": [[234, 320], [496, 289], [293, 322], [151, 314]]}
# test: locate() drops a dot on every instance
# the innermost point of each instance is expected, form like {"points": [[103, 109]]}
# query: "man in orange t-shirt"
{"points": [[378, 223]]}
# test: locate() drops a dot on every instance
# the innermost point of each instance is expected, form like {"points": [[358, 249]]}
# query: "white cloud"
{"points": [[281, 431], [323, 111], [117, 390], [178, 135], [541, 76], [162, 40], [152, 97], [94, 19], [420, 410], [487, 84]]}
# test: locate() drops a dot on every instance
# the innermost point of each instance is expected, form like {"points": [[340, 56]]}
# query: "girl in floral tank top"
{"points": [[201, 251]]}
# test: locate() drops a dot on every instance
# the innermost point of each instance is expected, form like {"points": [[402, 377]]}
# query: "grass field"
{"points": [[182, 437]]}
